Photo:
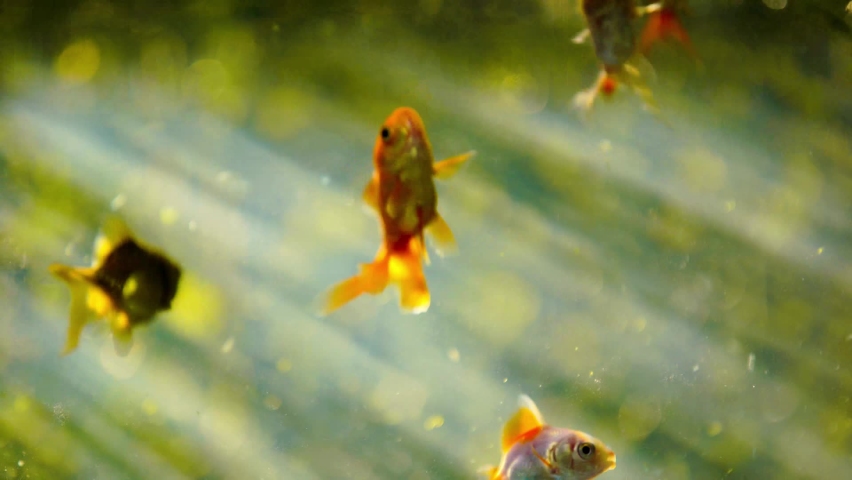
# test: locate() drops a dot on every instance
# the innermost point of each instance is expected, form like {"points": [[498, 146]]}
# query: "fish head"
{"points": [[580, 455], [401, 140]]}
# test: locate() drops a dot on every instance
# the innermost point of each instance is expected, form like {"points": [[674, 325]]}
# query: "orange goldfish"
{"points": [[611, 27], [534, 450], [128, 283], [402, 191]]}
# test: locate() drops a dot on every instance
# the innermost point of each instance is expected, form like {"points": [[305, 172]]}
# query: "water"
{"points": [[684, 293]]}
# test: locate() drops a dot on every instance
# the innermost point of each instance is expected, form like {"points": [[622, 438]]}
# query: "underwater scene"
{"points": [[426, 239]]}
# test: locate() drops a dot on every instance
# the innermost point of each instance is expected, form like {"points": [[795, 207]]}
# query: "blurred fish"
{"points": [[533, 450], [664, 22], [402, 191], [128, 284], [611, 27]]}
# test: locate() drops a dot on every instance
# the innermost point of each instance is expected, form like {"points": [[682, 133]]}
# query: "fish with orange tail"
{"points": [[611, 28], [402, 191], [534, 450], [128, 284]]}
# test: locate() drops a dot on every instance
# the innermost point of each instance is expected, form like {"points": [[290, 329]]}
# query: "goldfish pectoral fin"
{"points": [[113, 232], [524, 424], [581, 37], [445, 241], [490, 472], [647, 9], [371, 193], [79, 316], [122, 342], [450, 166]]}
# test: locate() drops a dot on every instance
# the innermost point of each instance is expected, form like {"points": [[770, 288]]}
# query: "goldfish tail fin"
{"points": [[448, 167], [372, 279], [77, 280], [445, 242], [405, 269]]}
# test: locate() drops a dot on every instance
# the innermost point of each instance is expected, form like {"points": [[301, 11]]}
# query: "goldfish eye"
{"points": [[385, 133], [585, 450]]}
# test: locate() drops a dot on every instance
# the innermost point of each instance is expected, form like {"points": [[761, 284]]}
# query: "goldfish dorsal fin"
{"points": [[448, 167], [525, 424], [113, 232]]}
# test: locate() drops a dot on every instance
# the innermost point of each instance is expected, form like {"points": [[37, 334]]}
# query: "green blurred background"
{"points": [[684, 293]]}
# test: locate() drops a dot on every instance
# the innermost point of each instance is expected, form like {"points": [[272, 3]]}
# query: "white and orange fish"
{"points": [[402, 191], [534, 450], [611, 26], [127, 284]]}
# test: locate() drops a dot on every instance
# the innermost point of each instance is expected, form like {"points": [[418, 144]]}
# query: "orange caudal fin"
{"points": [[663, 24], [405, 269], [372, 279]]}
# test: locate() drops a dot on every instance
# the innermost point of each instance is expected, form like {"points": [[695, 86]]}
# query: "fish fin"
{"points": [[424, 252], [543, 460], [371, 193], [584, 100], [665, 23], [77, 280], [582, 36], [372, 278], [113, 232], [406, 271], [450, 166], [122, 337], [648, 9], [524, 424], [490, 472], [445, 241]]}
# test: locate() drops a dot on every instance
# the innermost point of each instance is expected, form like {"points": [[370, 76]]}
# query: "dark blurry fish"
{"points": [[402, 191], [128, 284], [533, 450], [611, 26]]}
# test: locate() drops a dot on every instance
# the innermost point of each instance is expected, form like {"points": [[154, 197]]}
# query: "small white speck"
{"points": [[325, 180], [505, 380], [224, 176], [118, 202], [695, 367], [228, 345], [751, 362], [20, 463]]}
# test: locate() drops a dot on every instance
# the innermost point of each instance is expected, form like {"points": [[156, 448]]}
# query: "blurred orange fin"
{"points": [[490, 472], [406, 271], [662, 24], [450, 166], [371, 193], [77, 280], [524, 425], [372, 279], [439, 231]]}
